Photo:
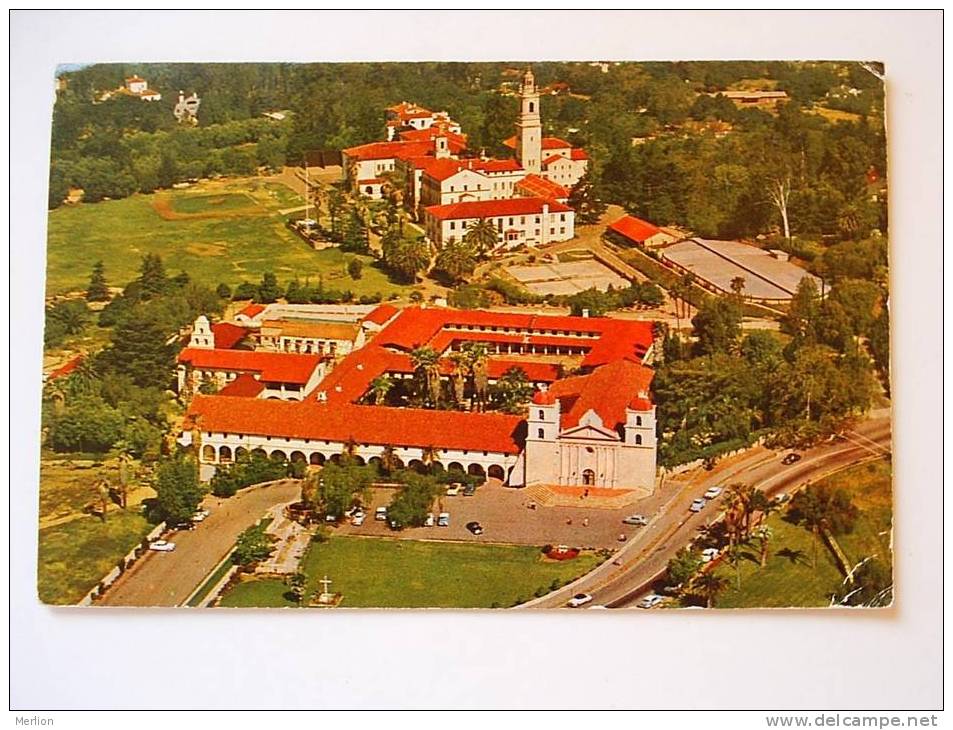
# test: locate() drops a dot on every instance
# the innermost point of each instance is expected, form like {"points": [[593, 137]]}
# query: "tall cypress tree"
{"points": [[97, 290]]}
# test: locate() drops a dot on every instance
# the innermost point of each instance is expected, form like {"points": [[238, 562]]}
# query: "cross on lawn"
{"points": [[325, 583]]}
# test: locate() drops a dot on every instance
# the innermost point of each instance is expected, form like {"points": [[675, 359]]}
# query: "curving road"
{"points": [[620, 583], [168, 579]]}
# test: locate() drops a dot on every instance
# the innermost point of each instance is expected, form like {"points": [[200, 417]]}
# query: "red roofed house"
{"points": [[636, 231], [453, 181], [138, 86], [408, 116], [596, 428], [211, 360], [518, 221], [364, 166], [534, 186]]}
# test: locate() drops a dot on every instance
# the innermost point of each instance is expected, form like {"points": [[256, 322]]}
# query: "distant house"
{"points": [[138, 86], [631, 230], [756, 98]]}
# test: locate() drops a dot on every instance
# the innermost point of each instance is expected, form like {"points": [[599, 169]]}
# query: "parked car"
{"points": [[380, 514], [712, 492], [580, 599], [395, 524], [357, 519], [709, 554], [639, 520], [469, 490], [697, 505], [453, 490], [782, 498], [651, 601], [330, 518], [475, 527], [200, 515], [791, 458], [443, 520], [182, 526], [429, 521], [162, 546]]}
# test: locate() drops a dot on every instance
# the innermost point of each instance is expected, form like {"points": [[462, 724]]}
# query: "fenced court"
{"points": [[567, 277]]}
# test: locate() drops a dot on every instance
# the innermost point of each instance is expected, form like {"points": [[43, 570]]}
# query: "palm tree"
{"points": [[688, 282], [388, 459], [764, 535], [428, 456], [738, 286], [380, 387], [482, 236], [477, 357], [426, 362], [459, 376], [710, 584]]}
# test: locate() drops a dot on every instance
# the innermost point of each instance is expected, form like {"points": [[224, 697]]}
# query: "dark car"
{"points": [[475, 527], [469, 490], [791, 458]]}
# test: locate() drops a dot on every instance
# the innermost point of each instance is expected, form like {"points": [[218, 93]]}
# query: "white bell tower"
{"points": [[529, 128], [202, 336]]}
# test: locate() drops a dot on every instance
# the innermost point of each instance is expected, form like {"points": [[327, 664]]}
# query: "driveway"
{"points": [[167, 579]]}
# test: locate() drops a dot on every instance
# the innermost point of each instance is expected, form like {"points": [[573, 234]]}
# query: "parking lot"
{"points": [[506, 517]]}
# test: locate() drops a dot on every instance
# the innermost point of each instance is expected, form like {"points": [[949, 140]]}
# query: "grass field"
{"points": [[788, 578], [73, 557], [378, 573], [212, 203], [232, 248]]}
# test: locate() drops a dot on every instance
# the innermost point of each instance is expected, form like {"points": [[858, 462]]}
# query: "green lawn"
{"points": [[788, 578], [212, 250], [73, 557], [379, 573], [200, 203]]}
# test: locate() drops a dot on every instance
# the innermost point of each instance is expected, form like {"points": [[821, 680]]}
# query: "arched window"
{"points": [[369, 190], [542, 416], [638, 439], [588, 477], [638, 420], [540, 433], [531, 107]]}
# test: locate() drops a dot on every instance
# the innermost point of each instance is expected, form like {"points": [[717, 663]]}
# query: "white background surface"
{"points": [[76, 659]]}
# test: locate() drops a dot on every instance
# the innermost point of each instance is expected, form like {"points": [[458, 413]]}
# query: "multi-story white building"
{"points": [[518, 221], [407, 115]]}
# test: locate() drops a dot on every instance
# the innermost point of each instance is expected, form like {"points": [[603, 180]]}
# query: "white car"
{"points": [[638, 520], [357, 519], [200, 515], [453, 490], [380, 514], [429, 521], [162, 546], [709, 554], [651, 601], [712, 492], [580, 599], [443, 520], [697, 505]]}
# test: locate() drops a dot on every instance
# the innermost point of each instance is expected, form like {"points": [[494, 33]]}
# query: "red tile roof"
{"points": [[244, 386], [389, 150], [379, 425], [252, 310], [227, 335], [633, 228], [439, 129], [381, 314], [607, 391], [541, 187], [494, 208], [441, 169], [578, 154], [272, 367]]}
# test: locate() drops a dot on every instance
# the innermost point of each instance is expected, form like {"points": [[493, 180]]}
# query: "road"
{"points": [[167, 579], [645, 557]]}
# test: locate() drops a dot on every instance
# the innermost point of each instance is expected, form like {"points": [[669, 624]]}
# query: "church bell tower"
{"points": [[529, 128]]}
